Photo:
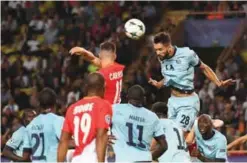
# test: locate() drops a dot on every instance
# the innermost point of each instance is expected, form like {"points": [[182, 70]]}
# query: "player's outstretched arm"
{"points": [[63, 146], [101, 143], [157, 84], [89, 56], [161, 148], [9, 153], [236, 142], [209, 73]]}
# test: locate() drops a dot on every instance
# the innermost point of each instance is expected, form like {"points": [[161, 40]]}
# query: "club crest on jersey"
{"points": [[108, 119]]}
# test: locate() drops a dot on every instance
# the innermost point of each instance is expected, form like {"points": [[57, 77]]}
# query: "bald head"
{"points": [[136, 95], [205, 125], [95, 84]]}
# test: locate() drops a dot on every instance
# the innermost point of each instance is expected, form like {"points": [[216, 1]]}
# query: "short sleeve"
{"points": [[58, 125], [194, 60], [67, 123], [27, 140], [104, 115], [15, 141], [158, 129], [221, 148]]}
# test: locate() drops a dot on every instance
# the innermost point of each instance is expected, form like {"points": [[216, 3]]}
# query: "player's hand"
{"points": [[77, 51], [111, 139], [153, 82], [228, 82], [196, 153]]}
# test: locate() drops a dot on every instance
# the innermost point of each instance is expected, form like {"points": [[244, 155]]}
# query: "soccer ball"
{"points": [[134, 28]]}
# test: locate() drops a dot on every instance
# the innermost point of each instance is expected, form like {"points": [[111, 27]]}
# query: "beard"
{"points": [[163, 57]]}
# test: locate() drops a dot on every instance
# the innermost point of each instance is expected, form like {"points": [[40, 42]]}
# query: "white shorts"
{"points": [[69, 155], [88, 154]]}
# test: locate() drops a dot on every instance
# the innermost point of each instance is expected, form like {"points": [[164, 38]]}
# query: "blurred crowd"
{"points": [[36, 39]]}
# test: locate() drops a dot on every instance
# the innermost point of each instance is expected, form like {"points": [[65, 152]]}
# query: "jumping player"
{"points": [[87, 121], [112, 71], [177, 68]]}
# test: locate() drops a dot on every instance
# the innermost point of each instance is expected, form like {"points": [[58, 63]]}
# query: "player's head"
{"points": [[162, 45], [107, 51], [205, 126], [160, 109], [28, 116], [95, 85], [136, 95], [47, 100]]}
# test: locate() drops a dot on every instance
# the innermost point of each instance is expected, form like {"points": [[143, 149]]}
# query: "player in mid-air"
{"points": [[134, 127], [14, 146], [211, 144], [112, 71], [177, 148], [87, 121], [43, 133], [177, 68]]}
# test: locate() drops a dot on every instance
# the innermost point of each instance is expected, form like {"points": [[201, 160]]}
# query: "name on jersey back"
{"points": [[116, 75], [83, 108]]}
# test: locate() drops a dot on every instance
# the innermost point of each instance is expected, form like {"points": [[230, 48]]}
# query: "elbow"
{"points": [[6, 152], [189, 141]]}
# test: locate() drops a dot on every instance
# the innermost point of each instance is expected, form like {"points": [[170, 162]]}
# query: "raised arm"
{"points": [[209, 73], [238, 141], [89, 56]]}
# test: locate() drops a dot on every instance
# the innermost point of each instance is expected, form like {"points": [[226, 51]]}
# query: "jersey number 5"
{"points": [[130, 134], [84, 124]]}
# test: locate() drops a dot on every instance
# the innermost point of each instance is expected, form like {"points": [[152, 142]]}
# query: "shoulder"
{"points": [[150, 114], [72, 106], [118, 106], [119, 65], [185, 51], [220, 137]]}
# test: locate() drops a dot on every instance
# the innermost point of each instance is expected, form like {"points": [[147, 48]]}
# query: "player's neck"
{"points": [[209, 135], [173, 52], [107, 62], [92, 95]]}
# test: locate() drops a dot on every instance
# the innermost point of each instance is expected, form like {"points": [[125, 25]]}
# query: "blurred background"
{"points": [[37, 36]]}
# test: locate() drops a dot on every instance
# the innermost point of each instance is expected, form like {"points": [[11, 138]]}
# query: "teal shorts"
{"points": [[184, 110]]}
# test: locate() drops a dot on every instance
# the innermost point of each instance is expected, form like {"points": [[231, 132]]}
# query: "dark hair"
{"points": [[109, 46], [136, 93], [160, 108], [94, 82], [47, 98], [162, 37]]}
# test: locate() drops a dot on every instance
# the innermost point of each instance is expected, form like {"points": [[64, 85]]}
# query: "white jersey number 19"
{"points": [[84, 124]]}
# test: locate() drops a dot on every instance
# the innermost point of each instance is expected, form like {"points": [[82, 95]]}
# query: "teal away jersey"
{"points": [[178, 71], [177, 147], [43, 135], [134, 129], [216, 147], [17, 140]]}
